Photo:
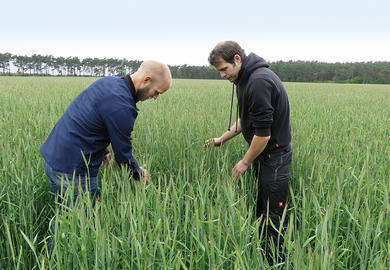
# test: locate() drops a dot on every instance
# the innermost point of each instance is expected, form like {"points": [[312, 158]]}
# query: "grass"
{"points": [[194, 216]]}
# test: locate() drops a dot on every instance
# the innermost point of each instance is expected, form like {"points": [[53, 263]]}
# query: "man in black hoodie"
{"points": [[264, 120]]}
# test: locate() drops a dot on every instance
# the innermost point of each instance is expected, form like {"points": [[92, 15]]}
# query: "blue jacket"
{"points": [[104, 112]]}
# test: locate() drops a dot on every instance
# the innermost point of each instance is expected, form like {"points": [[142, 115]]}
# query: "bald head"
{"points": [[151, 79], [159, 72]]}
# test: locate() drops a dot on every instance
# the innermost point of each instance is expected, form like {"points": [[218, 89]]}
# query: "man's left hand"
{"points": [[239, 169], [106, 160]]}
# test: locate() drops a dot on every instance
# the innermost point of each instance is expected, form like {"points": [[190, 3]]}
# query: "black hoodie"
{"points": [[263, 104]]}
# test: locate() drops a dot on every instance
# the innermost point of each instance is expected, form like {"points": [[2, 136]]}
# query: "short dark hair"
{"points": [[226, 50]]}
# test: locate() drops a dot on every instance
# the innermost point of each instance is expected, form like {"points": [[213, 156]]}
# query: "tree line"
{"points": [[60, 66], [289, 71]]}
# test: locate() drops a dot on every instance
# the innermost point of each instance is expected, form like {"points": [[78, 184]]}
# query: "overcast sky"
{"points": [[184, 32]]}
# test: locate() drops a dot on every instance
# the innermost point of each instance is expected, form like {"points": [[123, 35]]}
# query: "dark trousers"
{"points": [[273, 171]]}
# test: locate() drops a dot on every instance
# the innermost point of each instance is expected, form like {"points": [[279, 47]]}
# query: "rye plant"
{"points": [[193, 215]]}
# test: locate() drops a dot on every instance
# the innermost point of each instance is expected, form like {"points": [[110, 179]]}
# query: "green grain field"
{"points": [[194, 216]]}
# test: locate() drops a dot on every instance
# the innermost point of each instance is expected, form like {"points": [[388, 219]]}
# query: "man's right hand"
{"points": [[147, 178], [212, 142]]}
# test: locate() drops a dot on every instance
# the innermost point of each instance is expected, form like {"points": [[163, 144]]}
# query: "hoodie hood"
{"points": [[250, 63]]}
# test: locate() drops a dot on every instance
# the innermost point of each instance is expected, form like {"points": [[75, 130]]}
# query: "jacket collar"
{"points": [[131, 87]]}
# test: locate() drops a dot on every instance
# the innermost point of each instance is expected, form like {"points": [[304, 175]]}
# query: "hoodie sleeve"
{"points": [[260, 106]]}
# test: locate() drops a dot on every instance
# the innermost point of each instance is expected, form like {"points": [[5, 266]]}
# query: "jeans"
{"points": [[60, 182], [273, 171]]}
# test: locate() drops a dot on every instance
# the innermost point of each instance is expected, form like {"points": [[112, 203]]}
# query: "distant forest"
{"points": [[291, 71]]}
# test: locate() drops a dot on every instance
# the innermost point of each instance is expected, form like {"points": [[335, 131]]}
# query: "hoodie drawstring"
{"points": [[236, 114], [231, 109]]}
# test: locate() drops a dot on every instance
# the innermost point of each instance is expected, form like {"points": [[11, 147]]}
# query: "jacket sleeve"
{"points": [[261, 111], [119, 126]]}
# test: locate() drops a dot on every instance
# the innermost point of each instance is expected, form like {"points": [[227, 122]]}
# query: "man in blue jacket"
{"points": [[103, 113], [264, 120]]}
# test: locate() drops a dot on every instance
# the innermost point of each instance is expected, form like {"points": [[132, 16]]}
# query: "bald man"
{"points": [[103, 113]]}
